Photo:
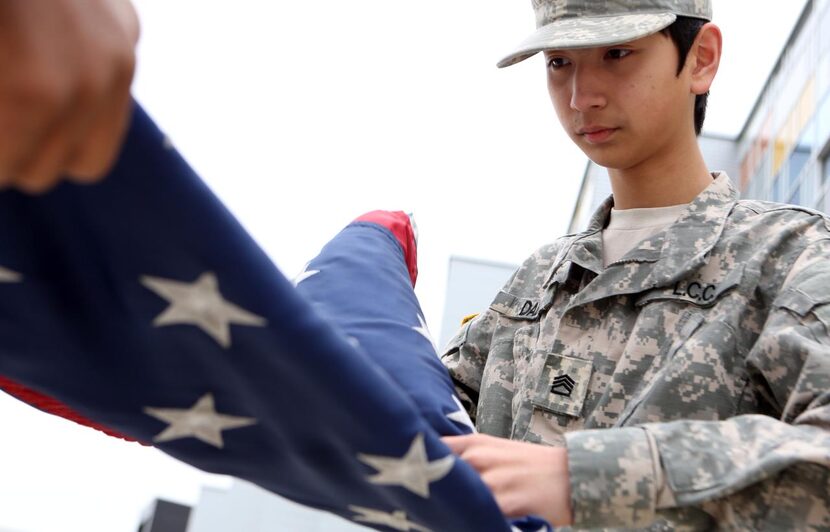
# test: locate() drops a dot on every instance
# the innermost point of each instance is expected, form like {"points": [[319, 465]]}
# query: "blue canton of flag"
{"points": [[139, 306]]}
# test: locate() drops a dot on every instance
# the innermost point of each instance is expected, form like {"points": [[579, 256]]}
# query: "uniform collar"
{"points": [[689, 240], [671, 254], [583, 249]]}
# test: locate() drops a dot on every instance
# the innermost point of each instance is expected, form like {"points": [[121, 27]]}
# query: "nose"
{"points": [[587, 90]]}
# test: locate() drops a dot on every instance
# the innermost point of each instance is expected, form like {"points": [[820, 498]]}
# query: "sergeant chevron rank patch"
{"points": [[563, 385]]}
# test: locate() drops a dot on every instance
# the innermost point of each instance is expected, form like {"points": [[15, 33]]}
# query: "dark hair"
{"points": [[683, 32]]}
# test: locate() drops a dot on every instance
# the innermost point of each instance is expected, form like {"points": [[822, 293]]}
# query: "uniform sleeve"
{"points": [[749, 472], [465, 357]]}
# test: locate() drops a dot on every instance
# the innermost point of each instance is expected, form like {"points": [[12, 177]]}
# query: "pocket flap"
{"points": [[802, 304], [809, 291]]}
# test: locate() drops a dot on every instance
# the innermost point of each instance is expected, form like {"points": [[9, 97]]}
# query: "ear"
{"points": [[704, 58]]}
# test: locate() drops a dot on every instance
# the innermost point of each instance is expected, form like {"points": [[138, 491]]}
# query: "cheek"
{"points": [[670, 90], [560, 100], [651, 102]]}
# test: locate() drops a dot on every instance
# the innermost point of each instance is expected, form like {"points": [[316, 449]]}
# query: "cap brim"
{"points": [[589, 32]]}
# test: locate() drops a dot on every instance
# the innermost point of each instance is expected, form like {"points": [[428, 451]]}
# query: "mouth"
{"points": [[596, 135]]}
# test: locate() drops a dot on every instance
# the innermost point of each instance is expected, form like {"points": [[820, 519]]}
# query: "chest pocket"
{"points": [[522, 315], [697, 359]]}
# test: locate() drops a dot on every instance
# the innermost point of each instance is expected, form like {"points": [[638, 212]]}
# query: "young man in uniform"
{"points": [[674, 358]]}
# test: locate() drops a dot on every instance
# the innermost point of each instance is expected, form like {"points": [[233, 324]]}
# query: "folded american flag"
{"points": [[139, 306]]}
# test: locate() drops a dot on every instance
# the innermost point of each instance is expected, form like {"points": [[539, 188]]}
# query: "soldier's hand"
{"points": [[67, 67], [525, 478]]}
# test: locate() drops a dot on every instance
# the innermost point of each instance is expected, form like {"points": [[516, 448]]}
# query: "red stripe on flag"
{"points": [[399, 224], [53, 406]]}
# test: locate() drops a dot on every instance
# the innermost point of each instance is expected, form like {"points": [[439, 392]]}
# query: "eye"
{"points": [[617, 53], [555, 62]]}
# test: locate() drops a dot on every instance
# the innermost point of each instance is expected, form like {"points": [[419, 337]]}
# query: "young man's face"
{"points": [[622, 105]]}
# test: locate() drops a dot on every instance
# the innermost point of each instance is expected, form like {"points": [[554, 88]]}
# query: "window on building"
{"points": [[795, 197], [798, 159], [800, 156], [825, 172], [779, 185], [810, 192], [823, 121], [763, 179], [823, 74], [825, 35], [824, 179]]}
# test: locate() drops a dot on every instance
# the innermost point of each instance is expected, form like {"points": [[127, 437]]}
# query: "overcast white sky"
{"points": [[302, 115]]}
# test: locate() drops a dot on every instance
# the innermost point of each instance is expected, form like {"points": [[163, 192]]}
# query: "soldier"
{"points": [[673, 359]]}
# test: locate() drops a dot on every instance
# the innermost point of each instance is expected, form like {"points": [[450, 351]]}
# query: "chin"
{"points": [[608, 158]]}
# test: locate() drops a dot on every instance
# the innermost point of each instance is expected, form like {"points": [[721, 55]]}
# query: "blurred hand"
{"points": [[525, 478], [67, 67]]}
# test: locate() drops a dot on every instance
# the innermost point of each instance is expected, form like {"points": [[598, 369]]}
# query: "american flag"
{"points": [[140, 307]]}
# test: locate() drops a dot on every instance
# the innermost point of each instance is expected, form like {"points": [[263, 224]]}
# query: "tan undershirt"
{"points": [[627, 228]]}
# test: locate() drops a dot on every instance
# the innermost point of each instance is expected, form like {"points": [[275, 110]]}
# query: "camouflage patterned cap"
{"points": [[562, 24]]}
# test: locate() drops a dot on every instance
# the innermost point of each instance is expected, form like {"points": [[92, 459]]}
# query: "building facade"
{"points": [[246, 507], [783, 147], [165, 516]]}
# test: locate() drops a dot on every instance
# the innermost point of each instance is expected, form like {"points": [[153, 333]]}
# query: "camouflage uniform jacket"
{"points": [[690, 380]]}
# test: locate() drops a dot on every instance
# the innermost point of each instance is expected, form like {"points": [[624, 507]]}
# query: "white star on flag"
{"points": [[9, 276], [305, 274], [354, 342], [199, 303], [413, 471], [461, 416], [201, 421], [396, 520], [517, 529], [423, 331]]}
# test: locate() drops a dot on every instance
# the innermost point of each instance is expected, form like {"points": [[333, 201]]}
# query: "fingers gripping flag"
{"points": [[140, 307]]}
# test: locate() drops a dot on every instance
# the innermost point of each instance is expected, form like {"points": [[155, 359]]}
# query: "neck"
{"points": [[673, 179]]}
